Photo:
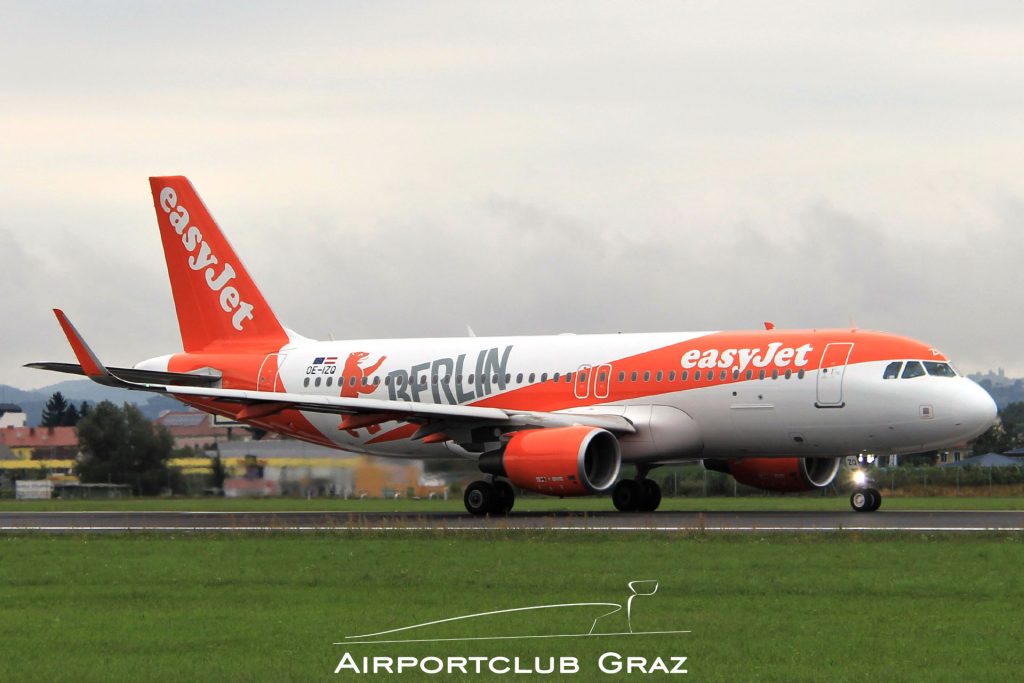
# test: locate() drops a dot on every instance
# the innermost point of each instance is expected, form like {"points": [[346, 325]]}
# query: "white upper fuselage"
{"points": [[692, 395]]}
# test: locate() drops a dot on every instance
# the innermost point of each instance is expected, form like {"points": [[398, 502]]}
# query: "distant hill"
{"points": [[78, 390]]}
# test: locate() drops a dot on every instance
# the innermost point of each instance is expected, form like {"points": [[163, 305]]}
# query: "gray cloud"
{"points": [[400, 171]]}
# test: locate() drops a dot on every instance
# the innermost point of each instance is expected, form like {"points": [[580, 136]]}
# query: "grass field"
{"points": [[212, 607], [523, 504]]}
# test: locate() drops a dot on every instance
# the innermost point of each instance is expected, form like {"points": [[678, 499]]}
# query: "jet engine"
{"points": [[558, 461], [789, 475]]}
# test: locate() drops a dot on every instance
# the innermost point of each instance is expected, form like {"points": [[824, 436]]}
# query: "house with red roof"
{"points": [[41, 443]]}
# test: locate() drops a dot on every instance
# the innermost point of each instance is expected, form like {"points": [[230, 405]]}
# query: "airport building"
{"points": [[295, 468]]}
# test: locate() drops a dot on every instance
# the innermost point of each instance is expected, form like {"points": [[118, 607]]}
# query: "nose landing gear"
{"points": [[866, 500]]}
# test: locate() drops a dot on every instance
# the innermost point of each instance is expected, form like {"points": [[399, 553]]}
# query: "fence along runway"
{"points": [[914, 521]]}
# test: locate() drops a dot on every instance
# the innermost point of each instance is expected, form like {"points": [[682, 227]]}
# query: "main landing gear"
{"points": [[483, 497], [866, 500], [637, 495]]}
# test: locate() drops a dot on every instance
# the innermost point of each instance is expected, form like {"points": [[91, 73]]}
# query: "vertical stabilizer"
{"points": [[219, 306]]}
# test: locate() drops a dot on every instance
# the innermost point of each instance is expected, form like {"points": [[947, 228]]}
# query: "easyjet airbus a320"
{"points": [[558, 415]]}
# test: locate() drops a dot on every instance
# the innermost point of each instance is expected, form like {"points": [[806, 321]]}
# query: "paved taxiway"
{"points": [[921, 521]]}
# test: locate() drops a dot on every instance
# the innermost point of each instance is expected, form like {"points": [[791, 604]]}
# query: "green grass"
{"points": [[208, 607], [537, 504]]}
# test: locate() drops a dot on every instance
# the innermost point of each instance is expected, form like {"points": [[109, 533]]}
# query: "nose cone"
{"points": [[973, 409]]}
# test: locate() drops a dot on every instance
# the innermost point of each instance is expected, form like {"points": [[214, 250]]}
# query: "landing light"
{"points": [[860, 478]]}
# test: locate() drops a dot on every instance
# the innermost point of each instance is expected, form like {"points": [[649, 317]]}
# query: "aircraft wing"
{"points": [[251, 404]]}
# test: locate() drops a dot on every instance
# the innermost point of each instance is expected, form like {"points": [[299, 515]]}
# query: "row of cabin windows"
{"points": [[916, 368], [341, 381], [709, 375], [684, 376]]}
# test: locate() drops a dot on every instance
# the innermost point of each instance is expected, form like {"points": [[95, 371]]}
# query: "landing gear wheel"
{"points": [[627, 495], [651, 496], [504, 497], [480, 498], [865, 500], [877, 495]]}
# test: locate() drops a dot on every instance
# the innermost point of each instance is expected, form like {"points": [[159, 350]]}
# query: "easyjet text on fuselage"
{"points": [[777, 355]]}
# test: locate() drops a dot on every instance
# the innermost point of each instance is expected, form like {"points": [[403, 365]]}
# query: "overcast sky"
{"points": [[402, 169]]}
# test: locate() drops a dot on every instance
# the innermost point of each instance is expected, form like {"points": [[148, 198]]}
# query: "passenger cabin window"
{"points": [[647, 376], [939, 369], [892, 370], [622, 377], [660, 375], [683, 377], [913, 369], [519, 378], [544, 377], [632, 378], [532, 377]]}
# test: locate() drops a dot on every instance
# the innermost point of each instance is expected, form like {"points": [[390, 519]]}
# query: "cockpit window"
{"points": [[913, 369], [892, 370], [939, 369]]}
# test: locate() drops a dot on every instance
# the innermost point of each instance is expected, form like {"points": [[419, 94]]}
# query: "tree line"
{"points": [[59, 412]]}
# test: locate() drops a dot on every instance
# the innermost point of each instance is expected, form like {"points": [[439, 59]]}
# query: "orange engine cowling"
{"points": [[559, 461], [779, 474]]}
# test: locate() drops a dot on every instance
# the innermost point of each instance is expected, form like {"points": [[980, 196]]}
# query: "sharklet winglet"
{"points": [[91, 364]]}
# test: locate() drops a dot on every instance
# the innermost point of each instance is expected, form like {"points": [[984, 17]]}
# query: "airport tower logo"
{"points": [[610, 621]]}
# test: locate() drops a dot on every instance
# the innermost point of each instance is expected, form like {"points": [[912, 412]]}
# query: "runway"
{"points": [[913, 521]]}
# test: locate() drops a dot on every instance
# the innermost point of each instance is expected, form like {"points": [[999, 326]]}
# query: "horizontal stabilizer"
{"points": [[177, 379]]}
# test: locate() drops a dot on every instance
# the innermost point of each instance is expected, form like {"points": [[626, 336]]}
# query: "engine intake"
{"points": [[560, 461], [779, 474]]}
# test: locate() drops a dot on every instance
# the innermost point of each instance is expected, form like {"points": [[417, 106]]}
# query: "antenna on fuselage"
{"points": [[469, 331]]}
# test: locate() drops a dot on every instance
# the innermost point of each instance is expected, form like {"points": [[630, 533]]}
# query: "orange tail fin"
{"points": [[219, 306]]}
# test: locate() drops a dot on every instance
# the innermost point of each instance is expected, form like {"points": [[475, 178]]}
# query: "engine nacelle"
{"points": [[558, 461], [779, 474]]}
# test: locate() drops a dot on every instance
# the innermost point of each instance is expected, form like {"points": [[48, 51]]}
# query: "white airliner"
{"points": [[558, 415]]}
